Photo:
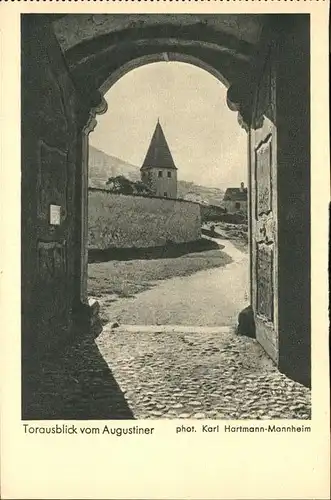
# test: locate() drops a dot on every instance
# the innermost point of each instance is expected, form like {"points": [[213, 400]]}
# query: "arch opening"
{"points": [[213, 119]]}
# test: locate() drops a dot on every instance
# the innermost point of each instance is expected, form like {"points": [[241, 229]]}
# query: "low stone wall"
{"points": [[211, 213], [120, 221]]}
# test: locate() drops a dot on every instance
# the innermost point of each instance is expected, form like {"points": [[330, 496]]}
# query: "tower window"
{"points": [[169, 174], [237, 205], [165, 195], [160, 173]]}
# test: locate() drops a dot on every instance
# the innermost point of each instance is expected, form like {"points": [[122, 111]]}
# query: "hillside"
{"points": [[102, 166], [210, 195]]}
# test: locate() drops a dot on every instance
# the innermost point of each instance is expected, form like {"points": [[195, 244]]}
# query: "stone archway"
{"points": [[160, 57], [264, 61]]}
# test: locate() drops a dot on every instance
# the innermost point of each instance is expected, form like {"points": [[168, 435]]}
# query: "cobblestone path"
{"points": [[200, 375]]}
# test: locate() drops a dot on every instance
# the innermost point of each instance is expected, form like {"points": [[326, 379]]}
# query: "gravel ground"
{"points": [[200, 376], [116, 279]]}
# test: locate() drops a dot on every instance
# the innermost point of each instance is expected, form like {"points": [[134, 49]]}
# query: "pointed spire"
{"points": [[158, 154]]}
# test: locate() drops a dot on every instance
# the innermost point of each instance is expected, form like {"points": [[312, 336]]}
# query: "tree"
{"points": [[122, 185]]}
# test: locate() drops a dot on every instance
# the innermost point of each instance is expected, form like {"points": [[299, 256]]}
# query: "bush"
{"points": [[122, 185]]}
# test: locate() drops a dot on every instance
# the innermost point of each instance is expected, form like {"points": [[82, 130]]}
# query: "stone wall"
{"points": [[119, 221], [51, 172], [50, 144], [293, 198], [212, 213]]}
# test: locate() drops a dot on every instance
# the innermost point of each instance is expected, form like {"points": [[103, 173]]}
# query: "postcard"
{"points": [[165, 199]]}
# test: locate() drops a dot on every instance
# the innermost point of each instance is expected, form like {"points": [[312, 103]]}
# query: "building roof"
{"points": [[158, 154], [235, 194]]}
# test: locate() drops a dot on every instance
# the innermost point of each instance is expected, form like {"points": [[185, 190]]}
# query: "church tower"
{"points": [[159, 171]]}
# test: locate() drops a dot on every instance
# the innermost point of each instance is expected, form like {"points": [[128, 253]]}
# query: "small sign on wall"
{"points": [[55, 215]]}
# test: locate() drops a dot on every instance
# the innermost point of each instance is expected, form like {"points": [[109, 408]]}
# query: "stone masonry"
{"points": [[200, 375]]}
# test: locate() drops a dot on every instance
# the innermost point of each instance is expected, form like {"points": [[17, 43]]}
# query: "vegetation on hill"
{"points": [[208, 195]]}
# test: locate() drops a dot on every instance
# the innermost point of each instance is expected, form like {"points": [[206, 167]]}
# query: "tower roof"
{"points": [[158, 154]]}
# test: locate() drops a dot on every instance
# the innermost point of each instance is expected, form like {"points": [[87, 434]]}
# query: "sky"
{"points": [[206, 142]]}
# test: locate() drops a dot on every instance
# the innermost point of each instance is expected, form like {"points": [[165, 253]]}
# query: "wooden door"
{"points": [[263, 208]]}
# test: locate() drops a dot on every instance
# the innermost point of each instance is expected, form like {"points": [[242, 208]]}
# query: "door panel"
{"points": [[263, 145]]}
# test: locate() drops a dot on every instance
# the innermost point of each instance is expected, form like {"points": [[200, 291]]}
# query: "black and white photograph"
{"points": [[166, 217]]}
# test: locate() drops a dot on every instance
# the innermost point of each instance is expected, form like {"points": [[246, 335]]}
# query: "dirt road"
{"points": [[207, 298]]}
